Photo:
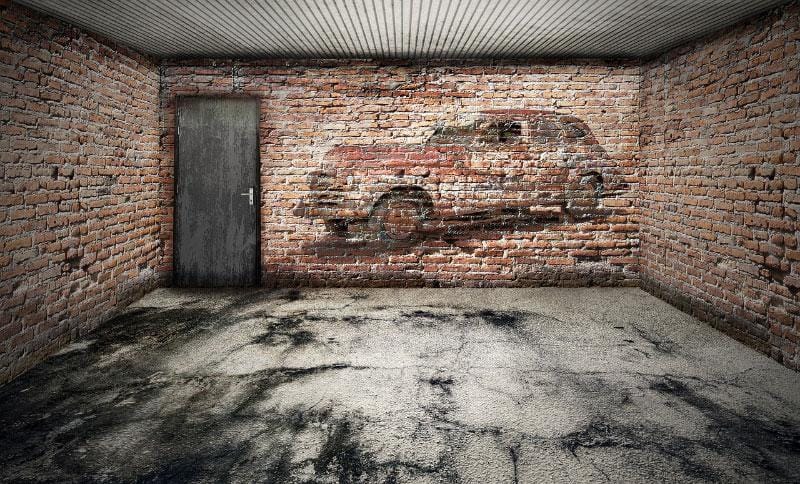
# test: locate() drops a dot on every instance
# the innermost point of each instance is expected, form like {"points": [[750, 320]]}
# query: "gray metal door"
{"points": [[216, 192]]}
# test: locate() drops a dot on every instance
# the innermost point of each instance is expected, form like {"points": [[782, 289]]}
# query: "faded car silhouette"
{"points": [[505, 170]]}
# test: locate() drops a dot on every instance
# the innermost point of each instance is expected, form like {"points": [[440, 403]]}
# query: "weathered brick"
{"points": [[372, 128], [46, 127], [698, 161], [741, 147]]}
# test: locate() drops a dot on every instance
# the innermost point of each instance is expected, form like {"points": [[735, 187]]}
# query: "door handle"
{"points": [[249, 195]]}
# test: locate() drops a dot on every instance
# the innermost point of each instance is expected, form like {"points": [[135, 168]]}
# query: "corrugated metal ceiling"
{"points": [[412, 29]]}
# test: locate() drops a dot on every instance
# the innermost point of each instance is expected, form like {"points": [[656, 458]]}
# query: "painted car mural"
{"points": [[505, 170]]}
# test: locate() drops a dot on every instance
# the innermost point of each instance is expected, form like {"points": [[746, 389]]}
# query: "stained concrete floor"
{"points": [[517, 386]]}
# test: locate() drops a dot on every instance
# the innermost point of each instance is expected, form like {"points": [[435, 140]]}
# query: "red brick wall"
{"points": [[720, 199], [502, 208], [78, 183], [437, 174]]}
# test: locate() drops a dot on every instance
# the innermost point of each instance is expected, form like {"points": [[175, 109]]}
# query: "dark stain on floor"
{"points": [[765, 443], [514, 453], [499, 319], [758, 446], [286, 329], [425, 314], [604, 432], [107, 413], [342, 456], [596, 434], [280, 471], [443, 383], [659, 343]]}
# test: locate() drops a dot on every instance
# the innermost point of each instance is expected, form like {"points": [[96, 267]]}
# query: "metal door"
{"points": [[216, 192]]}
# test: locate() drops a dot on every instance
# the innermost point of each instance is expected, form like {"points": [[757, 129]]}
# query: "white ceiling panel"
{"points": [[402, 29]]}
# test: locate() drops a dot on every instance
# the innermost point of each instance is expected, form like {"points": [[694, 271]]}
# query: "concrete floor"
{"points": [[511, 385]]}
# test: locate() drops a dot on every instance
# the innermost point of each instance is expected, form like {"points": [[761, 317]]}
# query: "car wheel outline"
{"points": [[400, 214]]}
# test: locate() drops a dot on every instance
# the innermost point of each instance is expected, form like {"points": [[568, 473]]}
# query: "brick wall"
{"points": [[720, 199], [437, 174], [462, 173], [78, 183]]}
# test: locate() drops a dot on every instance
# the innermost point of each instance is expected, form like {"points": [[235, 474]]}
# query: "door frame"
{"points": [[176, 168]]}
